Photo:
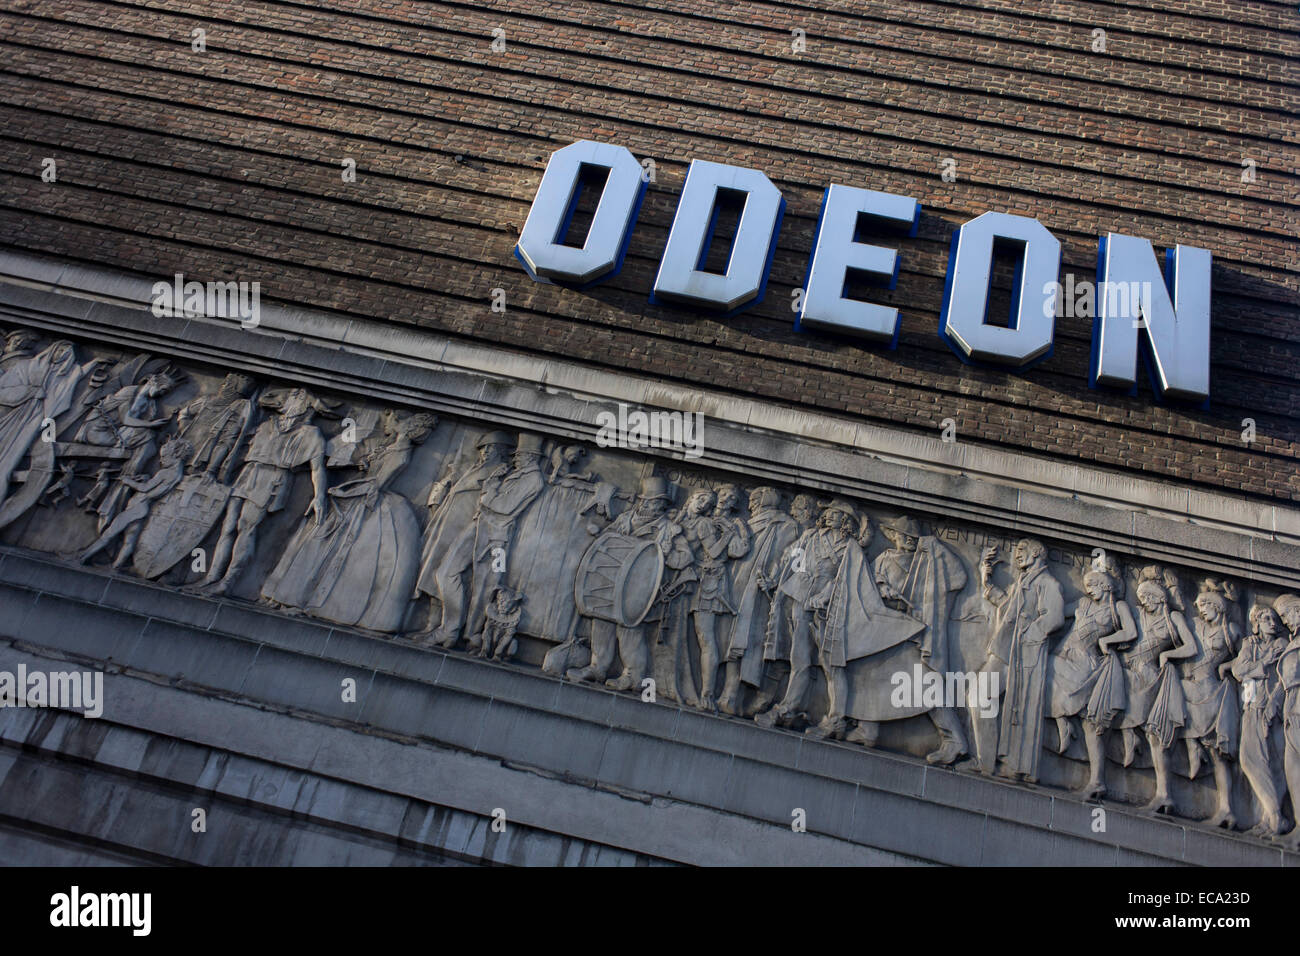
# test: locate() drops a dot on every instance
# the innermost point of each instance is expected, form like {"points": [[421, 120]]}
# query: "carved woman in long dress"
{"points": [[1213, 720], [1087, 680], [1155, 698], [357, 567], [1255, 668]]}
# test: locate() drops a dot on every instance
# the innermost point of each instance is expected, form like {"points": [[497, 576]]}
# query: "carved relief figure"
{"points": [[837, 606], [129, 522], [357, 565], [1155, 694], [1213, 712], [922, 577], [33, 389], [500, 621], [647, 521], [454, 503], [281, 445], [1023, 617], [550, 540], [1255, 669], [756, 577], [217, 425], [19, 344], [1288, 694], [1087, 675], [713, 538], [778, 639], [128, 421], [477, 559]]}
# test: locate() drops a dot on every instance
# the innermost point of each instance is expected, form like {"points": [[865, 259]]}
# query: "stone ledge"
{"points": [[154, 783], [513, 715]]}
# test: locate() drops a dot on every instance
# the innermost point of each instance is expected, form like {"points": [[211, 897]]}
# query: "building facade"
{"points": [[391, 549]]}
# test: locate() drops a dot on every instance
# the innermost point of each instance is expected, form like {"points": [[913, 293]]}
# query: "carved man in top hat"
{"points": [[648, 518], [281, 445], [455, 503]]}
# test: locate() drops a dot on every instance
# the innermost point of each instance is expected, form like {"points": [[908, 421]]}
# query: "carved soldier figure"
{"points": [[1255, 668], [713, 539], [281, 445], [171, 467], [1288, 694], [646, 519], [924, 576], [455, 503], [757, 577], [217, 425], [128, 421], [1023, 617]]}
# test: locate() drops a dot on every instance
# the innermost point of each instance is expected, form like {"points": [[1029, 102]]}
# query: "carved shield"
{"points": [[179, 523], [618, 578]]}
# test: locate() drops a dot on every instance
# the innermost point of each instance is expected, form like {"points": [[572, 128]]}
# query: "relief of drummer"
{"points": [[648, 520]]}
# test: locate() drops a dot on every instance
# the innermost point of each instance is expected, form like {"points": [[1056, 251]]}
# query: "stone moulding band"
{"points": [[1025, 494]]}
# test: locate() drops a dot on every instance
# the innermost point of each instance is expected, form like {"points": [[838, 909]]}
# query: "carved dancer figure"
{"points": [[358, 565], [454, 503], [281, 445], [129, 522], [922, 577], [1255, 668], [1213, 712], [1023, 617], [1288, 693], [648, 519], [756, 578], [1155, 692], [1086, 680]]}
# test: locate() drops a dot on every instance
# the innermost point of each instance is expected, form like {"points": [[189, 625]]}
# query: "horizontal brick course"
{"points": [[227, 163]]}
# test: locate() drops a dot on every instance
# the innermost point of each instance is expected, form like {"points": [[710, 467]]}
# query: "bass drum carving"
{"points": [[618, 579]]}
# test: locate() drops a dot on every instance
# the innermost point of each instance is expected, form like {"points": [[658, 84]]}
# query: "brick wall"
{"points": [[226, 163]]}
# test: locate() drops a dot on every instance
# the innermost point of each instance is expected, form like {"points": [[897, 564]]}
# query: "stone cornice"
{"points": [[1016, 493]]}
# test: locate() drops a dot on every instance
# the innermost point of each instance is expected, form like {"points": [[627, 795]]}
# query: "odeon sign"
{"points": [[1170, 324]]}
